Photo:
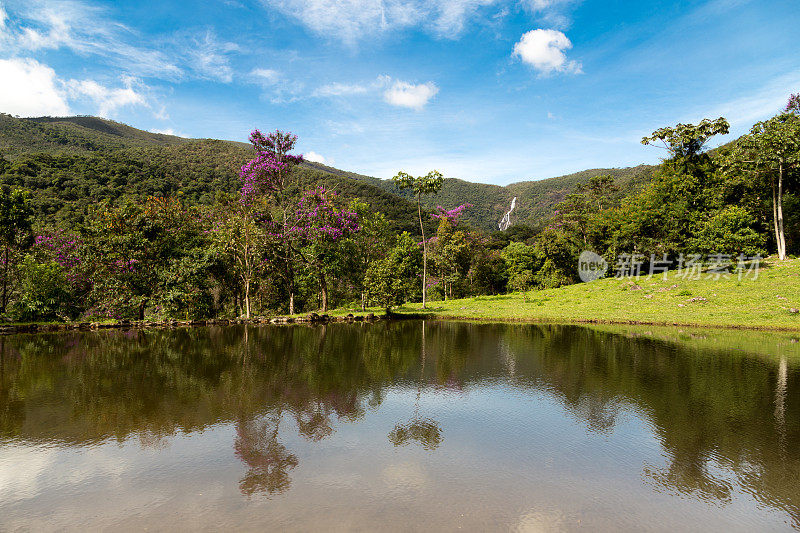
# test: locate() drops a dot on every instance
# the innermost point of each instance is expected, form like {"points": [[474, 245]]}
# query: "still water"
{"points": [[400, 426]]}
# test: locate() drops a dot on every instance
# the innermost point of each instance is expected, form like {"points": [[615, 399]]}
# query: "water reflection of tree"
{"points": [[268, 460], [424, 431]]}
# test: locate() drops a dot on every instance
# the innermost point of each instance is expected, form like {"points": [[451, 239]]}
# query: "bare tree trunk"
{"points": [[323, 289], [363, 301], [247, 298], [781, 236], [291, 298], [775, 215], [5, 277], [424, 253]]}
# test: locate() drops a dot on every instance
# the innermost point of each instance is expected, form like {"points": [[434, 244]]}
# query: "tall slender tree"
{"points": [[431, 183], [772, 150]]}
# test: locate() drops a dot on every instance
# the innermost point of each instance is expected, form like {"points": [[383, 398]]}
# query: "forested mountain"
{"points": [[71, 162], [536, 200]]}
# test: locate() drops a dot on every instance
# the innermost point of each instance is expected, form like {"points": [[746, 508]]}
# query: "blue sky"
{"points": [[484, 90]]}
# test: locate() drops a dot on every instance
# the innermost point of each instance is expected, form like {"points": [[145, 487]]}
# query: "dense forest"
{"points": [[100, 220]]}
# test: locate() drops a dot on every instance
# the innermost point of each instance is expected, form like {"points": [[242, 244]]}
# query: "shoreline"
{"points": [[369, 317]]}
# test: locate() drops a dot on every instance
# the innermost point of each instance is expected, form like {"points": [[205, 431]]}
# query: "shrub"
{"points": [[43, 292]]}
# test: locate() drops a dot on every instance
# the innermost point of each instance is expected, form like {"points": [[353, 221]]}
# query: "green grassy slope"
{"points": [[765, 302]]}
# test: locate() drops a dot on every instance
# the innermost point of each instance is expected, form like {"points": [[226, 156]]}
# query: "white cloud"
{"points": [[395, 92], [317, 158], [209, 57], [88, 30], [352, 20], [30, 88], [341, 89], [169, 131], [266, 76], [544, 50], [107, 99], [277, 88], [84, 29], [405, 94], [551, 12]]}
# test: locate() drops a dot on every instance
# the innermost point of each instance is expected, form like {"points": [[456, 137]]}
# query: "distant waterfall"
{"points": [[506, 221]]}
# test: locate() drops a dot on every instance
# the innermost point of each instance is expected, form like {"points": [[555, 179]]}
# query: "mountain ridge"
{"points": [[218, 160]]}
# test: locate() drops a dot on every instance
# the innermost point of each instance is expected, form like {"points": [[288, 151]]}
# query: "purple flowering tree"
{"points": [[65, 249], [263, 203], [318, 227]]}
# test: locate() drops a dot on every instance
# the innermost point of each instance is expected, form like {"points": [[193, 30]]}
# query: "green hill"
{"points": [[70, 162], [536, 200]]}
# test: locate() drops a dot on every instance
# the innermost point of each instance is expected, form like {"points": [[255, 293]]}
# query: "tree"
{"points": [[237, 234], [266, 176], [668, 213], [15, 229], [370, 244], [686, 141], [391, 281], [321, 226], [520, 260], [557, 256], [43, 292], [730, 232], [431, 183], [771, 150], [452, 250]]}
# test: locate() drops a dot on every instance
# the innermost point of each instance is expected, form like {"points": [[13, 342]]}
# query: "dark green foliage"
{"points": [[15, 232], [730, 231], [520, 264], [394, 280], [43, 293]]}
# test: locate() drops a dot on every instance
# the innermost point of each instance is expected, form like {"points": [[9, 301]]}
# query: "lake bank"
{"points": [[768, 302]]}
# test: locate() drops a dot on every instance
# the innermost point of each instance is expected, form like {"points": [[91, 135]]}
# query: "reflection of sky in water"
{"points": [[529, 428], [510, 458]]}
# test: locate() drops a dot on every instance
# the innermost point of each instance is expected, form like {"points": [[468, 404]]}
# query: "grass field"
{"points": [[766, 302]]}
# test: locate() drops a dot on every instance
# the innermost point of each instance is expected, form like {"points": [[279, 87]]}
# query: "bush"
{"points": [[730, 231], [43, 292]]}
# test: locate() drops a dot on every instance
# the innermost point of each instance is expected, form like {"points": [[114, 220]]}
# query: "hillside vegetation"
{"points": [[78, 160], [73, 162], [100, 220]]}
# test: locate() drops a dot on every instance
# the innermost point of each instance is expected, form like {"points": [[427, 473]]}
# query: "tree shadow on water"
{"points": [[268, 460], [423, 431]]}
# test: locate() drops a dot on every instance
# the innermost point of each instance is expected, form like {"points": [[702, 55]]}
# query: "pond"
{"points": [[401, 426]]}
